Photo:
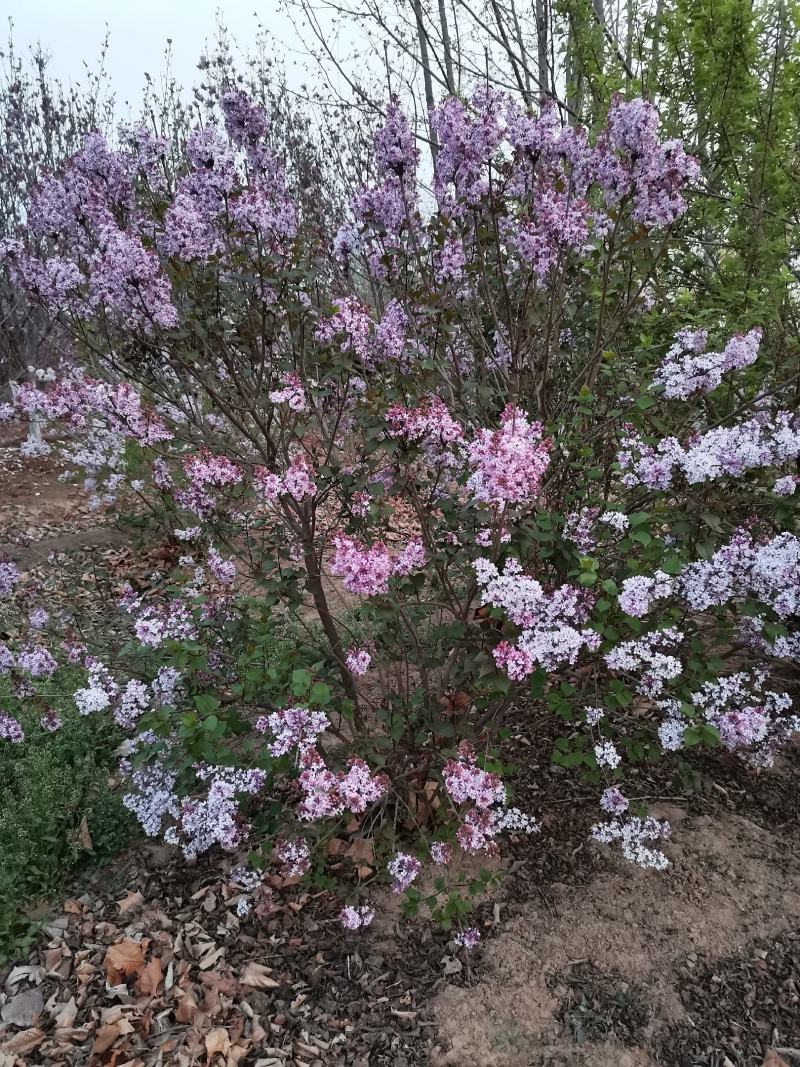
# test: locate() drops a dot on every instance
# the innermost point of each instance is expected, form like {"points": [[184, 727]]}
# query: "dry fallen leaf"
{"points": [[84, 837], [107, 1035], [187, 1008], [149, 979], [24, 1041], [24, 1009], [217, 1041], [123, 959], [772, 1059], [66, 1017], [257, 976], [17, 974], [134, 899]]}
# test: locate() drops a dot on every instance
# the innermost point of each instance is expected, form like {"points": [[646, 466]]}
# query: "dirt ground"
{"points": [[730, 883], [586, 961]]}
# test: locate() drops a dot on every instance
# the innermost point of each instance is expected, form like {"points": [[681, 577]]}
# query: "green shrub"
{"points": [[57, 810]]}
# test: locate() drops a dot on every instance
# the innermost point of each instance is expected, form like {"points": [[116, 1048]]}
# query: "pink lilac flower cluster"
{"points": [[431, 423], [579, 526], [51, 721], [224, 570], [762, 441], [391, 203], [292, 728], [358, 660], [327, 794], [291, 393], [643, 657], [37, 661], [550, 622], [469, 938], [634, 835], [441, 852], [613, 801], [404, 870], [656, 173], [367, 571], [465, 781], [296, 481], [508, 464], [688, 369]]}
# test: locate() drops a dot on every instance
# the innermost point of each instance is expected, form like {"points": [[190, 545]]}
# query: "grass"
{"points": [[58, 810]]}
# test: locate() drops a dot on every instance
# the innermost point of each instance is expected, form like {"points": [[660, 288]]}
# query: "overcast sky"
{"points": [[73, 30]]}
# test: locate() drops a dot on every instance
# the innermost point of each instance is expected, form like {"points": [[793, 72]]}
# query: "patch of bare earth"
{"points": [[730, 881]]}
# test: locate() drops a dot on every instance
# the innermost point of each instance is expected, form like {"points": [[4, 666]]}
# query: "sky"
{"points": [[72, 31]]}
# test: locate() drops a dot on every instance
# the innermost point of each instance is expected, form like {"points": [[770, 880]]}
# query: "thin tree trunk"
{"points": [[541, 46], [448, 55], [426, 72]]}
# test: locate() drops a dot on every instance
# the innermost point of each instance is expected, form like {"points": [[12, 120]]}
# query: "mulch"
{"points": [[152, 965]]}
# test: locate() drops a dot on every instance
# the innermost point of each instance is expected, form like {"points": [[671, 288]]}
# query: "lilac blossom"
{"points": [[404, 869], [355, 917], [10, 729]]}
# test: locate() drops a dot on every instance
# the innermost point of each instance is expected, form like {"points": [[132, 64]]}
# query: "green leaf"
{"points": [[206, 703], [320, 693], [301, 680]]}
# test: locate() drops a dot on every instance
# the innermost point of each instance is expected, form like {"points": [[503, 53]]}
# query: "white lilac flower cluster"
{"points": [[762, 441], [607, 755], [196, 823], [293, 856], [354, 917], [152, 797], [750, 718], [128, 704], [783, 646], [643, 656], [551, 635], [769, 572], [634, 835], [579, 526], [687, 368], [639, 593], [216, 818]]}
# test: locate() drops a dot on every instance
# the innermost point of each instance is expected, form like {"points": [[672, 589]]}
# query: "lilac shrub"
{"points": [[452, 460]]}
